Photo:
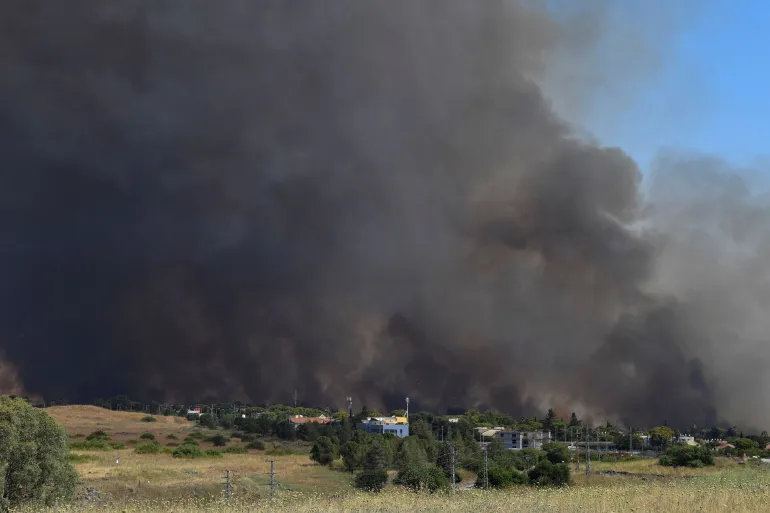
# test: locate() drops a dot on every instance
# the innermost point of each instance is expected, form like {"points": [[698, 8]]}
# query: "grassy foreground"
{"points": [[734, 490]]}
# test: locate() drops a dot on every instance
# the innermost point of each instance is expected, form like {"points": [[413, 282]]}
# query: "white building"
{"points": [[517, 440], [685, 439]]}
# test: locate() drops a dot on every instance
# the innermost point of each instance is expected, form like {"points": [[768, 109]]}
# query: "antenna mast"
{"points": [[407, 408]]}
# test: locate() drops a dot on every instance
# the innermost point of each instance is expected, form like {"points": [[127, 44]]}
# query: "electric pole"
{"points": [[630, 439], [452, 447], [295, 397], [486, 468], [588, 452], [272, 478]]}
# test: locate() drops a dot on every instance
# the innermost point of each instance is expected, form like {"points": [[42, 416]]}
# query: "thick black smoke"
{"points": [[366, 198]]}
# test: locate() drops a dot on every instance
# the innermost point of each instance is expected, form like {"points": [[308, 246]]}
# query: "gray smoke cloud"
{"points": [[361, 198]]}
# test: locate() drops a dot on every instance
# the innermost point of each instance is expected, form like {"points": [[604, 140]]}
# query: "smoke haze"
{"points": [[365, 198]]}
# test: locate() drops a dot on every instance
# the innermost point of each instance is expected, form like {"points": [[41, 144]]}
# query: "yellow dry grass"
{"points": [[161, 475], [120, 425], [733, 490]]}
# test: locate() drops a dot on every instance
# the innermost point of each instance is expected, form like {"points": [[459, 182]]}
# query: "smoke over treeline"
{"points": [[367, 198]]}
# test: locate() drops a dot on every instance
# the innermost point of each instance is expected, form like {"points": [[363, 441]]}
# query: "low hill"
{"points": [[120, 425]]}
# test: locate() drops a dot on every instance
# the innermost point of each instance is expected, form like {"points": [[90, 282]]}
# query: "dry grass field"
{"points": [[161, 483], [121, 425]]}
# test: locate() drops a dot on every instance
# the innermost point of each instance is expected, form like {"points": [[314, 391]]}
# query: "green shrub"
{"points": [[422, 476], [147, 436], [211, 453], [502, 477], [235, 450], [172, 436], [687, 456], [80, 458], [78, 435], [371, 480], [34, 457], [148, 448], [256, 444], [324, 451], [546, 473], [89, 445], [219, 440], [149, 418], [188, 451], [117, 445], [98, 435]]}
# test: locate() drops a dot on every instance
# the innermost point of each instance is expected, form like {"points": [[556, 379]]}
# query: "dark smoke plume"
{"points": [[367, 198]]}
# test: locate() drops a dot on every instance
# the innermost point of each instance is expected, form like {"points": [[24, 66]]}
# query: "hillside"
{"points": [[121, 425]]}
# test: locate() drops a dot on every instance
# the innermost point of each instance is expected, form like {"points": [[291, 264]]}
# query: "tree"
{"points": [[573, 420], [353, 455], [374, 477], [546, 473], [308, 431], [556, 452], [422, 476], [550, 417], [324, 451], [661, 435], [410, 451], [33, 457]]}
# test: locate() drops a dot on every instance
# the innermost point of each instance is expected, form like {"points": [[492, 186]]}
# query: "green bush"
{"points": [[89, 445], [149, 418], [556, 452], [34, 457], [211, 453], [502, 477], [235, 450], [256, 444], [219, 440], [687, 456], [147, 436], [98, 435], [371, 480], [324, 451], [188, 451], [172, 436], [422, 476], [117, 445], [80, 458], [546, 473], [148, 448]]}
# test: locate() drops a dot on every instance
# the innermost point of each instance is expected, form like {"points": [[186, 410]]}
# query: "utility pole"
{"points": [[486, 468], [452, 446], [630, 440], [227, 484], [577, 451], [350, 406], [295, 397], [588, 452], [272, 478]]}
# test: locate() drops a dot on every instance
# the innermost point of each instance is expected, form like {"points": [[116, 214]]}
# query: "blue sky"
{"points": [[712, 94]]}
